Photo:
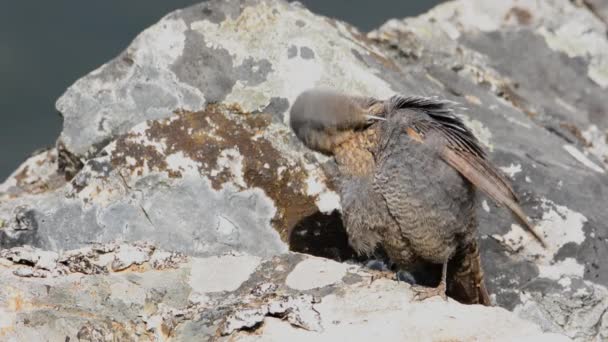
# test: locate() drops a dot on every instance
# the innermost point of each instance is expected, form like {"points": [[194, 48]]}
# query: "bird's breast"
{"points": [[355, 155]]}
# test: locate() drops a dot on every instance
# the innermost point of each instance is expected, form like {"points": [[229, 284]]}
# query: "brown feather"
{"points": [[413, 134], [466, 281], [481, 174]]}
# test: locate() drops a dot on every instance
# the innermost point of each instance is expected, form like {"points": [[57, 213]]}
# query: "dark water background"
{"points": [[47, 45]]}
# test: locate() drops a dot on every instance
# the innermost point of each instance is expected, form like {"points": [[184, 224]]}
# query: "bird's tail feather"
{"points": [[466, 283]]}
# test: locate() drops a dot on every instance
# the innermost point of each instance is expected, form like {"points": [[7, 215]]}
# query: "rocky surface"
{"points": [[135, 292], [181, 141], [597, 7]]}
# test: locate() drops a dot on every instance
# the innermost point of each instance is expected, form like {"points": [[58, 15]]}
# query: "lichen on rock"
{"points": [[181, 141]]}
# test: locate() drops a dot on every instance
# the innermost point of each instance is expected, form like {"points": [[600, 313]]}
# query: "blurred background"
{"points": [[46, 46]]}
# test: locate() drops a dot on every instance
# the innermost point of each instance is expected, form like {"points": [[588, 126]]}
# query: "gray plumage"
{"points": [[407, 183]]}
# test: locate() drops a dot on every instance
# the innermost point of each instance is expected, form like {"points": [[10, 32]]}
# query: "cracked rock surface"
{"points": [[171, 299], [181, 141]]}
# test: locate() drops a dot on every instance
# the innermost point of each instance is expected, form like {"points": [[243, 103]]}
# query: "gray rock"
{"points": [[149, 155], [597, 7], [189, 59], [150, 304]]}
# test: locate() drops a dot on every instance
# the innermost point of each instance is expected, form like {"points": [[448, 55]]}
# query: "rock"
{"points": [[29, 256], [128, 256], [597, 7], [36, 175], [181, 142], [194, 172], [298, 311], [151, 304], [192, 57]]}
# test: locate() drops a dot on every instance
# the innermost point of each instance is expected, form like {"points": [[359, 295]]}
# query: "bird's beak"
{"points": [[374, 117]]}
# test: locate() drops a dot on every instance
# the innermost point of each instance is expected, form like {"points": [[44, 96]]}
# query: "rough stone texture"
{"points": [[37, 175], [205, 174], [169, 300], [181, 141], [597, 7], [192, 57]]}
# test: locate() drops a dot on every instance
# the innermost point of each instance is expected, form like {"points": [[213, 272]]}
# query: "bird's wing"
{"points": [[461, 150]]}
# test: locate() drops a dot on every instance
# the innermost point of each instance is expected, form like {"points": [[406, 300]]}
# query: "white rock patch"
{"points": [[565, 282], [582, 158], [163, 43], [225, 226], [511, 170], [326, 200], [314, 273], [232, 160], [578, 39], [598, 141], [180, 162], [559, 226], [129, 255], [485, 206], [568, 266], [221, 273]]}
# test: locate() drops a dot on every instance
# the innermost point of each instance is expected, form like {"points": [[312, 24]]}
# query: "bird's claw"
{"points": [[383, 274], [422, 293]]}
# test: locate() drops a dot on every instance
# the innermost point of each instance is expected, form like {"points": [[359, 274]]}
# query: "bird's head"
{"points": [[323, 119]]}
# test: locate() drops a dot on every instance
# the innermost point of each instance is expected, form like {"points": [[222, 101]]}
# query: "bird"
{"points": [[408, 171]]}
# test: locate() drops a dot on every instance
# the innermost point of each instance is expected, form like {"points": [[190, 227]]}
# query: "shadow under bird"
{"points": [[407, 170]]}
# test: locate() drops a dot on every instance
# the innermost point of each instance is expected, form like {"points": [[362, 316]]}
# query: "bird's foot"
{"points": [[406, 277], [383, 274], [422, 293]]}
